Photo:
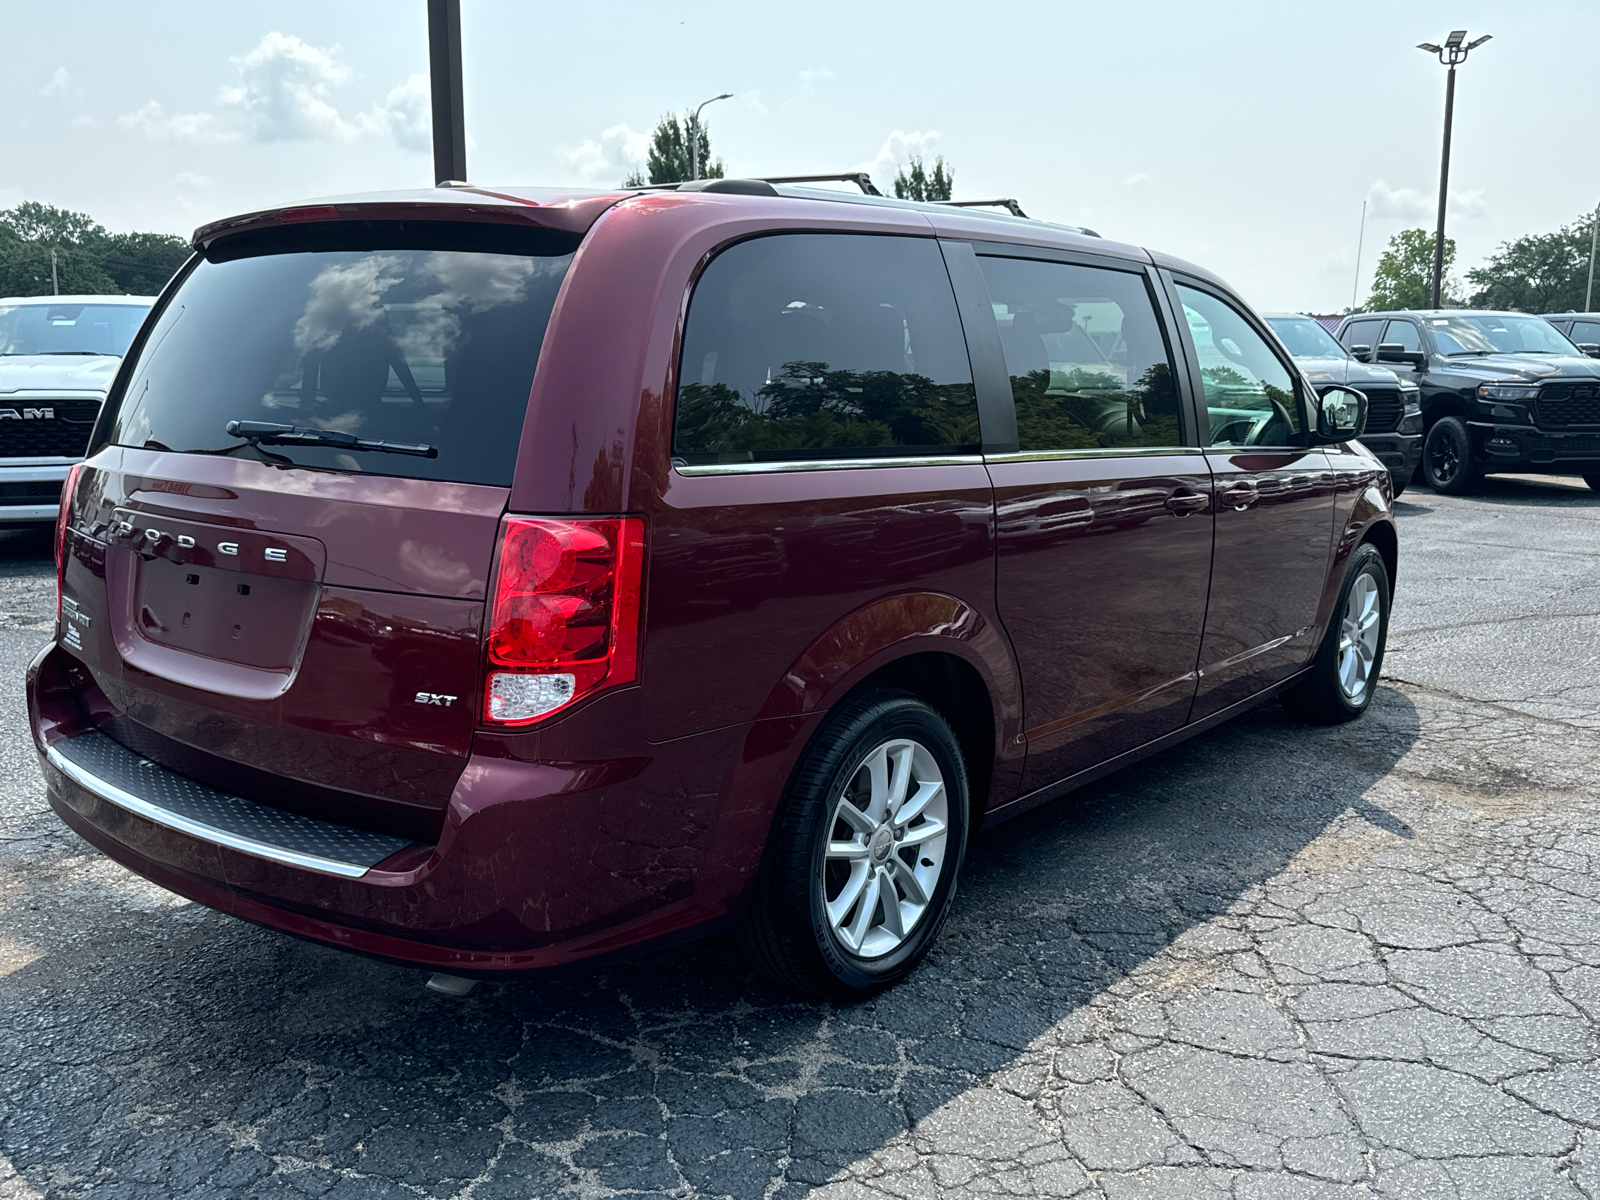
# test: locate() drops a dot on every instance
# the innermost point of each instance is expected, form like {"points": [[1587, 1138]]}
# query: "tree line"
{"points": [[88, 260], [1535, 273], [677, 141]]}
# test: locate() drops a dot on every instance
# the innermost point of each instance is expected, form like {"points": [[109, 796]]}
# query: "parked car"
{"points": [[57, 357], [1582, 329], [1501, 391], [489, 581], [1394, 405]]}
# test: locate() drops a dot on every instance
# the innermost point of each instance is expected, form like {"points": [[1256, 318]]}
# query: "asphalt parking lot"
{"points": [[1278, 961]]}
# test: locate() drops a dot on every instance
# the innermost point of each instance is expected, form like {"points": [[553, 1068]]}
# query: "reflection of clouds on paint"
{"points": [[481, 281], [434, 564], [343, 297]]}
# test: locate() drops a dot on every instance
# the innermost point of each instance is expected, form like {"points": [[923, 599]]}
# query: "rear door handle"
{"points": [[1240, 496], [1184, 502]]}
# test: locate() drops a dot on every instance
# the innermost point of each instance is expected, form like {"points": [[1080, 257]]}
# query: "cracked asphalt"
{"points": [[1278, 961]]}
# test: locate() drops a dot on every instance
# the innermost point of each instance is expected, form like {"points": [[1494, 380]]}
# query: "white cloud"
{"points": [[1136, 179], [84, 121], [815, 75], [897, 150], [188, 179], [607, 161], [406, 115], [753, 102], [282, 94], [198, 128], [57, 84], [1408, 204]]}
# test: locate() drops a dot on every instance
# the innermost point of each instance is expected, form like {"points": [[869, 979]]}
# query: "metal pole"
{"points": [[1594, 232], [444, 68], [1444, 186], [55, 287], [694, 144], [1355, 285]]}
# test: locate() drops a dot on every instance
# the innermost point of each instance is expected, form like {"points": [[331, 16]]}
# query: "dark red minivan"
{"points": [[491, 580]]}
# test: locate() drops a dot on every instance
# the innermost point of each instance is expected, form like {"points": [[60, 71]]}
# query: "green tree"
{"points": [[919, 184], [668, 161], [88, 259], [1404, 277], [1539, 272]]}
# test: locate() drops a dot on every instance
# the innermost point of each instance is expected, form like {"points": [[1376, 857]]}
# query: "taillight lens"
{"points": [[62, 517], [563, 614]]}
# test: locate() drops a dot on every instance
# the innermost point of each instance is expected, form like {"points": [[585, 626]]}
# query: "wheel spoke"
{"points": [[857, 933], [927, 830], [913, 808], [906, 877], [855, 818], [847, 850], [891, 903], [900, 781], [878, 773], [839, 908]]}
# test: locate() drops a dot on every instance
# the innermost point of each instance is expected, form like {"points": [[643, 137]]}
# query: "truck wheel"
{"points": [[860, 868], [1400, 482], [1447, 458], [1344, 674], [1593, 481]]}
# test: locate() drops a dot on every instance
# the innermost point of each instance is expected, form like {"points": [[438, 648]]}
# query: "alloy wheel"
{"points": [[1444, 457], [886, 848], [1358, 637]]}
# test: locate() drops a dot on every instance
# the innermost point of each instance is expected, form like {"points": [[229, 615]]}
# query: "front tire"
{"points": [[1399, 482], [861, 866], [1344, 674], [1447, 458]]}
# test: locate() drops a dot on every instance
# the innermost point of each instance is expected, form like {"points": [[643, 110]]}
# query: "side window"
{"points": [[1250, 397], [813, 345], [1586, 331], [1089, 366], [1403, 334], [1361, 333]]}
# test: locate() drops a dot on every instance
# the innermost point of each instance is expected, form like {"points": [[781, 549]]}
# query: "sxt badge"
{"points": [[435, 698]]}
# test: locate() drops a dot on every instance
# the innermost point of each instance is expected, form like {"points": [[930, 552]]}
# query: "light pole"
{"points": [[1450, 54], [694, 135], [1594, 233]]}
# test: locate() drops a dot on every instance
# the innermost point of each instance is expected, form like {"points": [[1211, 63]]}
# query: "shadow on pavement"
{"points": [[177, 1052]]}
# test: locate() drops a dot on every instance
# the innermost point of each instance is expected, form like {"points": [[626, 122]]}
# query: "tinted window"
{"points": [[818, 345], [1305, 338], [1250, 398], [1497, 333], [69, 328], [430, 346], [1403, 334], [1088, 364], [1586, 331], [1361, 333]]}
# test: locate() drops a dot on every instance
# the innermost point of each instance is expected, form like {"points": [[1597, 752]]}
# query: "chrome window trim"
{"points": [[1103, 452], [199, 829], [828, 464]]}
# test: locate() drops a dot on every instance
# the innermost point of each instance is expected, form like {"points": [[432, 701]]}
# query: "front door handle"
{"points": [[1183, 502], [1240, 496]]}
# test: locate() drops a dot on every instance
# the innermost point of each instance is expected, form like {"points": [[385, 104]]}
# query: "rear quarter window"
{"points": [[824, 346], [420, 335]]}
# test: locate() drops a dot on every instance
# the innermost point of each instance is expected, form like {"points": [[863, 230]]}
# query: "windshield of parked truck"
{"points": [[37, 327], [1304, 338], [1490, 333], [417, 336]]}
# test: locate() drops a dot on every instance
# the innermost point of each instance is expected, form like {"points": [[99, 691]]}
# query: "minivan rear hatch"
{"points": [[279, 553]]}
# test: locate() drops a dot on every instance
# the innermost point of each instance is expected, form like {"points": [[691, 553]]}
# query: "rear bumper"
{"points": [[1399, 452], [1517, 447], [540, 863], [30, 489]]}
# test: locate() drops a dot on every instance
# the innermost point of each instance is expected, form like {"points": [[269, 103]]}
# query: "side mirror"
{"points": [[1592, 349], [1394, 352], [1361, 353], [1341, 414]]}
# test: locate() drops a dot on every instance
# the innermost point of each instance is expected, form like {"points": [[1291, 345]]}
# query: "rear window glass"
{"points": [[814, 346], [430, 341], [102, 329]]}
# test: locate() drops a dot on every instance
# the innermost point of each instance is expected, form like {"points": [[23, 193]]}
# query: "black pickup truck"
{"points": [[1501, 391]]}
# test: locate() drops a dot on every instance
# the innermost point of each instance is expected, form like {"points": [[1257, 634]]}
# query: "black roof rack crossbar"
{"points": [[860, 178], [1011, 206]]}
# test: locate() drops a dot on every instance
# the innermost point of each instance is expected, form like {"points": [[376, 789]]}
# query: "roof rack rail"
{"points": [[860, 178], [1011, 206]]}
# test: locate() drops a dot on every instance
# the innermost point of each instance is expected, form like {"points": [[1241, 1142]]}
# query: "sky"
{"points": [[1241, 136]]}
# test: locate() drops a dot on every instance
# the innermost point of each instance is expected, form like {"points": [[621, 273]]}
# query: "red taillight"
{"points": [[62, 517], [563, 614], [316, 212]]}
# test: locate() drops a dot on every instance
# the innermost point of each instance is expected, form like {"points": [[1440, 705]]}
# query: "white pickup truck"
{"points": [[58, 355]]}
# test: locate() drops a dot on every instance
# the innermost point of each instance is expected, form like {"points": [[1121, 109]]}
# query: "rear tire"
{"points": [[1447, 458], [1593, 481], [843, 849], [1344, 674]]}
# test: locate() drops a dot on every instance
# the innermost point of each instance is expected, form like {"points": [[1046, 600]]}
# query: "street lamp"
{"points": [[1451, 53], [694, 135]]}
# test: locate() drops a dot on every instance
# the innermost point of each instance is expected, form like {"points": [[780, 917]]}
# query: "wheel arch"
{"points": [[1445, 404], [1382, 536]]}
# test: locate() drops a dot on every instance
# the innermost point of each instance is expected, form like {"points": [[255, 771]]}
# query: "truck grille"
{"points": [[1384, 409], [1562, 404], [42, 492], [33, 428]]}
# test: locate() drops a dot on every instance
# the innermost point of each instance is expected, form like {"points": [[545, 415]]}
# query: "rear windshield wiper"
{"points": [[268, 433]]}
